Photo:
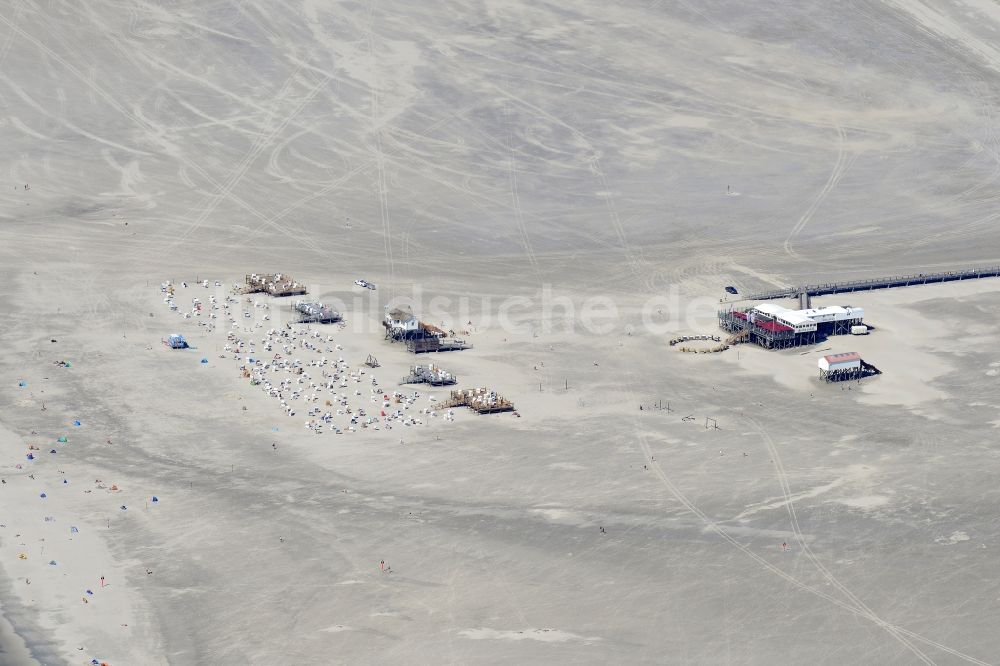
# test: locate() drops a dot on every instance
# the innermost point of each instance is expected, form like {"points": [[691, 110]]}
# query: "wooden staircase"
{"points": [[738, 337]]}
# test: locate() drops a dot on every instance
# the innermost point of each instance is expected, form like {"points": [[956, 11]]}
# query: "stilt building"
{"points": [[774, 326]]}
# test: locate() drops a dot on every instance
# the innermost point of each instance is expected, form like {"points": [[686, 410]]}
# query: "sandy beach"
{"points": [[565, 189]]}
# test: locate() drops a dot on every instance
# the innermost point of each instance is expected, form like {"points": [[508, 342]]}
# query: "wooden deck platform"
{"points": [[429, 345], [480, 400], [275, 284]]}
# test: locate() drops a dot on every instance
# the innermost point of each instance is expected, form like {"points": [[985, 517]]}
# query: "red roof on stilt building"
{"points": [[774, 327]]}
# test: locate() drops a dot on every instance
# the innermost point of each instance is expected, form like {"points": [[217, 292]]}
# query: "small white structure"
{"points": [[401, 321], [859, 330], [840, 362]]}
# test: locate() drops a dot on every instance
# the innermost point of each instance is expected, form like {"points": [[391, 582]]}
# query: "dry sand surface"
{"points": [[512, 160]]}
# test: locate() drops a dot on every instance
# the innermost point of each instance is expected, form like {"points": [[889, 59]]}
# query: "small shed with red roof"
{"points": [[836, 362]]}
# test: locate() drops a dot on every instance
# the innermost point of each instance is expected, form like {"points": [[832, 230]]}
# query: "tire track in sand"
{"points": [[713, 526], [383, 194], [152, 131], [789, 502], [512, 179], [839, 169], [264, 138], [10, 35]]}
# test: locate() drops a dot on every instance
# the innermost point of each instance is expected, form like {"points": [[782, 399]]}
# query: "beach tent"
{"points": [[62, 440], [76, 423], [175, 341]]}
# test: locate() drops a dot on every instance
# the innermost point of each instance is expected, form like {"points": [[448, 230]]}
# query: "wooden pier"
{"points": [[875, 283]]}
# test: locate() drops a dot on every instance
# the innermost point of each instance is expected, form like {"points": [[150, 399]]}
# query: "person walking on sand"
{"points": [[381, 566], [784, 546]]}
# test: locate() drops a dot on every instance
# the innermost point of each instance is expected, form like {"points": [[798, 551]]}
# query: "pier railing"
{"points": [[876, 283]]}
